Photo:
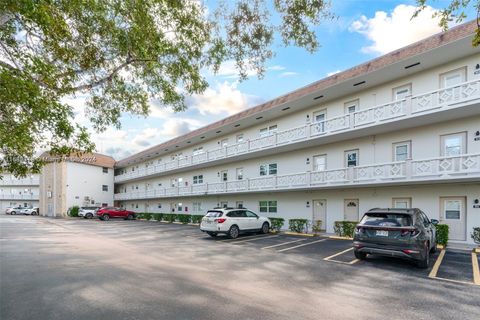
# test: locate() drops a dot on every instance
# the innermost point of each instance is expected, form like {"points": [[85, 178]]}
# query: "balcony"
{"points": [[19, 197], [411, 107], [20, 182], [444, 169]]}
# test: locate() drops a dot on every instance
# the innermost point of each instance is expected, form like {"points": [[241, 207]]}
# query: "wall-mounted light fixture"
{"points": [[308, 204], [307, 161]]}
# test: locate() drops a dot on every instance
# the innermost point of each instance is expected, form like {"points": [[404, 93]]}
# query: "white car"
{"points": [[29, 211], [14, 210], [232, 222], [87, 212]]}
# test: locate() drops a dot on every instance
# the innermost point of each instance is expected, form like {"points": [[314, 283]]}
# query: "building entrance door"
{"points": [[452, 213], [320, 212], [351, 210]]}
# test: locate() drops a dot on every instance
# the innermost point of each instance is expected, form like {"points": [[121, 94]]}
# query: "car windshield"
{"points": [[214, 214], [387, 220]]}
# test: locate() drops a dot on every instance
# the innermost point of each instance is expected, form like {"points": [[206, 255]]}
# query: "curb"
{"points": [[300, 234], [440, 246], [476, 250], [340, 238]]}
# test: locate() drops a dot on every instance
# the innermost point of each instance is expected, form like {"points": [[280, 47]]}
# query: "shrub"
{"points": [[184, 218], [298, 225], [317, 226], [196, 218], [442, 234], [277, 223], [147, 216], [476, 235], [139, 215], [169, 217], [157, 216], [73, 211], [344, 228]]}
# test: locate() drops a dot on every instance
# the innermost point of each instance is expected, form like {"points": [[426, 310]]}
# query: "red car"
{"points": [[112, 212]]}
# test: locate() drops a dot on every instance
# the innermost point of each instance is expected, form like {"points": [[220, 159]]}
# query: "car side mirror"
{"points": [[434, 221]]}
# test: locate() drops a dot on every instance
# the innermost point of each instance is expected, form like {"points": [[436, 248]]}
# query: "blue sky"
{"points": [[364, 30]]}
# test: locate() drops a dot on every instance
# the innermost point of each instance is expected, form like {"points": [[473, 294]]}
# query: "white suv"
{"points": [[88, 212], [232, 222]]}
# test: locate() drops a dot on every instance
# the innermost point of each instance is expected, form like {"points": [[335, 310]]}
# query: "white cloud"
{"points": [[333, 72], [390, 31], [288, 74], [276, 68], [225, 98], [229, 70]]}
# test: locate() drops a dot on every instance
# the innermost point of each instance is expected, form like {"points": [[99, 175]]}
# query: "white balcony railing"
{"points": [[20, 182], [442, 168], [19, 196], [433, 101]]}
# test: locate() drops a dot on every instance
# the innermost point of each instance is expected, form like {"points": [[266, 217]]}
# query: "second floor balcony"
{"points": [[452, 98], [26, 196], [464, 167], [34, 181]]}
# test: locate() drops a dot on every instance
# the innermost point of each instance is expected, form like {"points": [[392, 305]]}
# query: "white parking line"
{"points": [[238, 239], [255, 239], [283, 243], [302, 245], [337, 254]]}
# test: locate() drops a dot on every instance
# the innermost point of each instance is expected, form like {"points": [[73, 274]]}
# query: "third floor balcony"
{"points": [[429, 107]]}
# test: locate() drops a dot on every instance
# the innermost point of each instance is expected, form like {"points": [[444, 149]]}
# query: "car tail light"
{"points": [[407, 251], [411, 232], [220, 220], [360, 230]]}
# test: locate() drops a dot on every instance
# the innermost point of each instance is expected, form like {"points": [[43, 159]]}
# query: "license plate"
{"points": [[382, 233]]}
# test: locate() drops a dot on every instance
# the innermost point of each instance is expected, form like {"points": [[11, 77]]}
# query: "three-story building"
{"points": [[19, 191], [402, 130]]}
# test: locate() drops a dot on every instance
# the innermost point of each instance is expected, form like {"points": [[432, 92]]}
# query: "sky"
{"points": [[364, 30]]}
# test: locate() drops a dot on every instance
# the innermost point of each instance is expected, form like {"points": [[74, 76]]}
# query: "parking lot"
{"points": [[280, 276]]}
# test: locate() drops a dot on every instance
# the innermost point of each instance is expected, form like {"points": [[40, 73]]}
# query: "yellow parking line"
{"points": [[337, 254], [436, 266], [255, 239], [476, 270], [283, 243], [301, 245]]}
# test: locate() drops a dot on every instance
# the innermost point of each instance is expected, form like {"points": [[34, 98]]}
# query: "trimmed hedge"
{"points": [[277, 223], [196, 218], [344, 228], [317, 226], [476, 235], [184, 218], [147, 216], [157, 216], [298, 225], [442, 234], [73, 211], [169, 217]]}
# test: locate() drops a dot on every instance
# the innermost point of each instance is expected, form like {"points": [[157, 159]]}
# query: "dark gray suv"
{"points": [[402, 233]]}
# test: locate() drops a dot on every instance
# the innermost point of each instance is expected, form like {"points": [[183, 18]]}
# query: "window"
{"points": [[104, 187], [198, 179], [402, 203], [240, 138], [351, 158], [268, 169], [250, 214], [159, 206], [402, 92], [452, 209], [104, 169], [224, 204], [453, 144], [239, 204], [179, 207], [320, 162], [197, 207], [268, 130], [268, 206], [198, 150], [402, 151], [454, 77], [351, 106], [224, 175], [239, 173]]}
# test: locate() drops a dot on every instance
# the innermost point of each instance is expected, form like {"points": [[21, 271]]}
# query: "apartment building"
{"points": [[19, 191], [402, 130], [76, 180]]}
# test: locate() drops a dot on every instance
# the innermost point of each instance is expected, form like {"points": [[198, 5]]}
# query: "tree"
{"points": [[455, 11], [122, 54]]}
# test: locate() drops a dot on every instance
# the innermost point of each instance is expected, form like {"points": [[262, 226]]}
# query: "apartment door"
{"points": [[453, 213], [320, 212], [350, 210]]}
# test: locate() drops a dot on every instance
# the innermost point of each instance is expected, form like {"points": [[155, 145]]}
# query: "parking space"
{"points": [[454, 266]]}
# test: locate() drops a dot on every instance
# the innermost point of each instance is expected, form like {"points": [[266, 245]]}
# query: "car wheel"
{"points": [[265, 228], [212, 234], [233, 232], [89, 216], [130, 217], [106, 217], [360, 255], [13, 213], [425, 261]]}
